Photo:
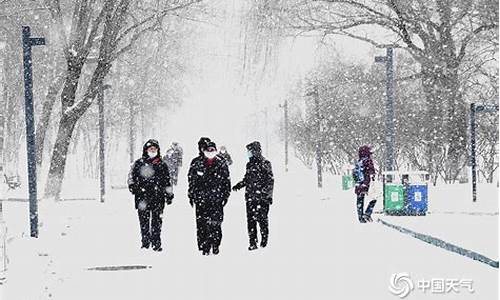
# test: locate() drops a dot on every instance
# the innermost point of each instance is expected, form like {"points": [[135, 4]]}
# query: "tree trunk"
{"points": [[446, 119], [59, 156], [456, 123], [43, 123], [3, 106], [434, 121]]}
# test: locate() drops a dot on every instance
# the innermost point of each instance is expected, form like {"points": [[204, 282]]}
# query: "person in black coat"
{"points": [[149, 181], [209, 189], [202, 144], [259, 184]]}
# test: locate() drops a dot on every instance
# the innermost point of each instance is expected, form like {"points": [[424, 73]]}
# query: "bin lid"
{"points": [[398, 173]]}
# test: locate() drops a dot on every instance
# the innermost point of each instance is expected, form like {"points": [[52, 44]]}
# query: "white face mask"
{"points": [[152, 154], [210, 154], [249, 154]]}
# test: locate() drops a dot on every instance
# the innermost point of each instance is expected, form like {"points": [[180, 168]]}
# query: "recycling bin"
{"points": [[405, 193], [347, 182], [394, 198], [417, 193], [393, 191]]}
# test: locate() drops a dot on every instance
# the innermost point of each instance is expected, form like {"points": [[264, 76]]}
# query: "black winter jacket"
{"points": [[149, 181], [258, 180], [208, 183]]}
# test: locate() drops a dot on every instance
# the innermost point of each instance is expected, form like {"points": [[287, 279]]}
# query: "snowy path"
{"points": [[317, 251]]}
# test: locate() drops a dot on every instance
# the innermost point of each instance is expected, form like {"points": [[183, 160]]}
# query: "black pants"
{"points": [[360, 204], [257, 212], [209, 217], [150, 221], [200, 235]]}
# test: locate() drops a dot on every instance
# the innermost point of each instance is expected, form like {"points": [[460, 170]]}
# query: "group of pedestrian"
{"points": [[209, 186]]}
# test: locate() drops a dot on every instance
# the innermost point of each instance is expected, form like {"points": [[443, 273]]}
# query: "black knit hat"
{"points": [[150, 143], [210, 145], [202, 143], [255, 148]]}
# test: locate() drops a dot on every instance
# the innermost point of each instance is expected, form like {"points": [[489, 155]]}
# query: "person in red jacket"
{"points": [[363, 174]]}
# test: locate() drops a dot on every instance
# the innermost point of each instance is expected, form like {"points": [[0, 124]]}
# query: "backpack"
{"points": [[358, 174]]}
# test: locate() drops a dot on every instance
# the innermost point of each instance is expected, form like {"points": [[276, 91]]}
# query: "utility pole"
{"points": [[131, 133], [319, 154], [388, 60], [473, 110], [285, 108], [3, 247], [267, 130], [102, 138], [28, 43]]}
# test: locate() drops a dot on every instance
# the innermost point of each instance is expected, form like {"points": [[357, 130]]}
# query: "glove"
{"points": [[191, 202], [236, 188], [224, 202], [132, 188], [269, 200], [168, 198]]}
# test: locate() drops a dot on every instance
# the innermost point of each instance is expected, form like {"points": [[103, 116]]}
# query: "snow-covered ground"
{"points": [[317, 248]]}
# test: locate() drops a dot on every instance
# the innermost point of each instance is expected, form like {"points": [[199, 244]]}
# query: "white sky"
{"points": [[217, 106]]}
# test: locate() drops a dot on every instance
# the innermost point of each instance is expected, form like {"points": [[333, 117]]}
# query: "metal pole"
{"points": [[389, 123], [28, 42], [285, 108], [267, 131], [102, 181], [3, 245], [390, 109], [473, 149], [131, 137], [319, 155]]}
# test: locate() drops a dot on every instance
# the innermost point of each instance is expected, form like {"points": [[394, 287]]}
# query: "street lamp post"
{"points": [[102, 137], [388, 60], [285, 127], [285, 108], [319, 154], [473, 110], [28, 43]]}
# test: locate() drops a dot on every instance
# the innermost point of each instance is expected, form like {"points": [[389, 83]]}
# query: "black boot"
{"points": [[215, 250], [252, 247], [205, 250], [263, 242]]}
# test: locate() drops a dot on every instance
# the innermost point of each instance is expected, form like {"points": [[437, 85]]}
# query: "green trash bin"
{"points": [[347, 182], [394, 201]]}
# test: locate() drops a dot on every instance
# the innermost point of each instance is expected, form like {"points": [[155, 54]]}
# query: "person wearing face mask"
{"points": [[209, 189], [149, 182], [192, 189], [259, 184]]}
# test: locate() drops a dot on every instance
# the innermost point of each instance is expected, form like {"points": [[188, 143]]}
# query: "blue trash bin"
{"points": [[417, 199]]}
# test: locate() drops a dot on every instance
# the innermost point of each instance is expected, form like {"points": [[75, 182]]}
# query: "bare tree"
{"points": [[106, 29], [439, 34]]}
